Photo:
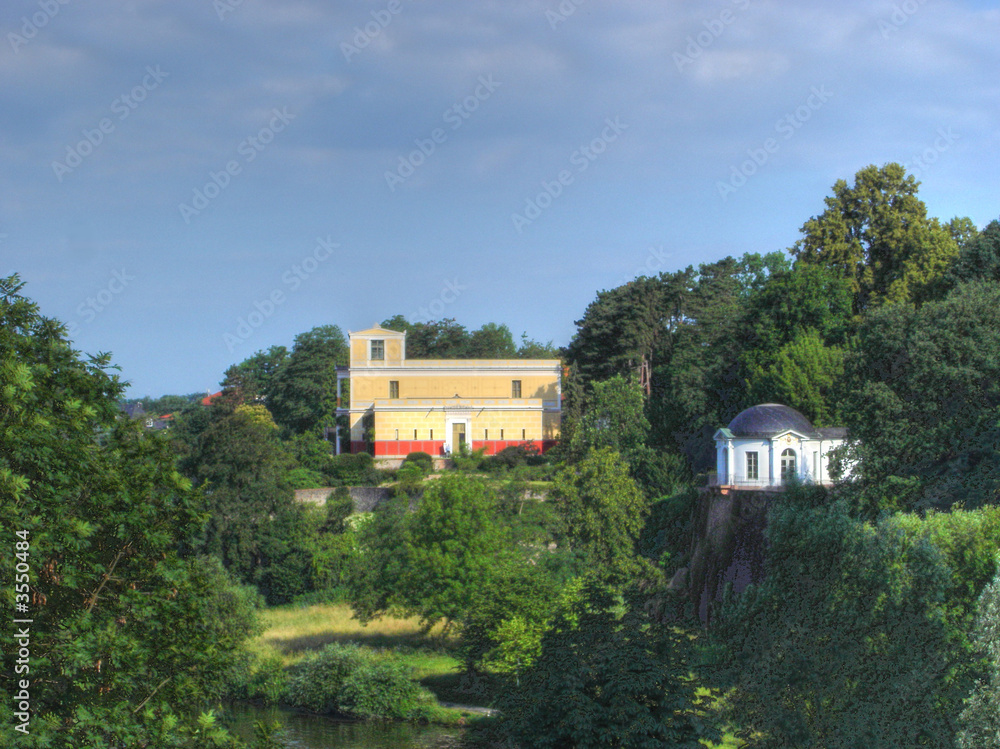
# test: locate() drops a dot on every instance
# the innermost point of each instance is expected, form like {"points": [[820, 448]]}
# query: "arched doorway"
{"points": [[787, 464]]}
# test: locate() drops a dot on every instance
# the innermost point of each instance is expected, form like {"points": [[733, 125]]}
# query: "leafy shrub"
{"points": [[382, 688], [266, 679], [317, 680], [353, 470], [468, 460], [339, 507], [356, 681], [304, 478], [424, 460], [410, 478], [310, 451], [667, 530], [659, 473], [516, 456]]}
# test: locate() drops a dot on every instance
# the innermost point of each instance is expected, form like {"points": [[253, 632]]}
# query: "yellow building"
{"points": [[399, 405]]}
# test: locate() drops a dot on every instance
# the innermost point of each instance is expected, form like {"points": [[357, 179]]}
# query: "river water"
{"points": [[304, 731]]}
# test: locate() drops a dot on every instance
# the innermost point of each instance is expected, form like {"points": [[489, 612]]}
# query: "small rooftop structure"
{"points": [[767, 445]]}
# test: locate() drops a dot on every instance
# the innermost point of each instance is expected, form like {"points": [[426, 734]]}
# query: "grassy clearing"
{"points": [[293, 632]]}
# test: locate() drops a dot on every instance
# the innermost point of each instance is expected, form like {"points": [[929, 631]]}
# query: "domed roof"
{"points": [[769, 419]]}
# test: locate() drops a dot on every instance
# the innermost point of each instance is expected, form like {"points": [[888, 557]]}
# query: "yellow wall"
{"points": [[367, 387]]}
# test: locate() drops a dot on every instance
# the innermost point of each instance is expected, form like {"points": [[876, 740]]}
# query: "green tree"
{"points": [[303, 392], [876, 233], [607, 676], [980, 719], [854, 638], [492, 341], [922, 400], [804, 374], [251, 380], [429, 563], [130, 643], [809, 297], [614, 418], [532, 349], [603, 510], [256, 528], [979, 258]]}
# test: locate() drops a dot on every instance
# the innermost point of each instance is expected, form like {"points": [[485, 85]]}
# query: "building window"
{"points": [[486, 434], [393, 388], [523, 433], [515, 388], [378, 350], [501, 434], [753, 471], [787, 464], [414, 434], [397, 435], [432, 434]]}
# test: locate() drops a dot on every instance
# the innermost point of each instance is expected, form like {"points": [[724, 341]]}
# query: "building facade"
{"points": [[766, 445], [396, 405]]}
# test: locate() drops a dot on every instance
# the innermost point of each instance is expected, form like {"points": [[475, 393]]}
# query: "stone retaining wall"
{"points": [[366, 498]]}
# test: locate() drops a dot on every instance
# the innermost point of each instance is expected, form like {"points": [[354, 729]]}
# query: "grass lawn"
{"points": [[293, 632]]}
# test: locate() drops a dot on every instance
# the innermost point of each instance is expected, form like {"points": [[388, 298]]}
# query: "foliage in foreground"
{"points": [[858, 635], [607, 676], [131, 644]]}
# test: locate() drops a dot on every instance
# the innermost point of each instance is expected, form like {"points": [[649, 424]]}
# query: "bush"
{"points": [[382, 689], [468, 460], [339, 507], [316, 681], [353, 470], [410, 478], [265, 679], [514, 456], [356, 681], [424, 460], [304, 478]]}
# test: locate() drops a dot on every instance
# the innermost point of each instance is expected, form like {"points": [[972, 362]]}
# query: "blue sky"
{"points": [[185, 182]]}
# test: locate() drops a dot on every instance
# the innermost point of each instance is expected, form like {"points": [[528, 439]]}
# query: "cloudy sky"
{"points": [[184, 182]]}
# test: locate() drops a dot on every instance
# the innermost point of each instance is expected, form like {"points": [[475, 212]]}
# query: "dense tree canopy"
{"points": [[129, 642], [922, 399], [447, 339], [303, 391], [858, 634], [876, 233]]}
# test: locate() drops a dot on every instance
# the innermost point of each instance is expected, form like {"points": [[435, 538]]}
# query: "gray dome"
{"points": [[769, 419]]}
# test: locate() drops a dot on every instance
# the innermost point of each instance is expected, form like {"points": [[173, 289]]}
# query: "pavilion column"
{"points": [[730, 459]]}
